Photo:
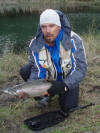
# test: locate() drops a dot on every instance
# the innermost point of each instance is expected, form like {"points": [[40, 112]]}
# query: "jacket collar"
{"points": [[65, 41]]}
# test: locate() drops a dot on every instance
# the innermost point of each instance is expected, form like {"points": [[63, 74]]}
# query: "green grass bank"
{"points": [[12, 113]]}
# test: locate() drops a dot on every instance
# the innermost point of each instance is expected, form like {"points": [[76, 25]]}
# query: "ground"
{"points": [[14, 111]]}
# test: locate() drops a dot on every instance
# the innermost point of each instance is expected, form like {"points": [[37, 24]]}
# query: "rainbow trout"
{"points": [[34, 88]]}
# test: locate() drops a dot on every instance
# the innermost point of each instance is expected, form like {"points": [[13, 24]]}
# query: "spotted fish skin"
{"points": [[33, 88]]}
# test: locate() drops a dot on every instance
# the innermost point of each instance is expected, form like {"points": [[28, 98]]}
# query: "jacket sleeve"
{"points": [[34, 68], [79, 64]]}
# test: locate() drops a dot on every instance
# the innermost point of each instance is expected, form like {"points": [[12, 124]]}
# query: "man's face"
{"points": [[50, 32]]}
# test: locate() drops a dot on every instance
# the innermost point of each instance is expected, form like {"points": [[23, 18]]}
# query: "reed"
{"points": [[10, 65], [15, 6], [91, 41]]}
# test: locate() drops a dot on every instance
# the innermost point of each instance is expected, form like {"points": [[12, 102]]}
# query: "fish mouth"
{"points": [[8, 92], [18, 92]]}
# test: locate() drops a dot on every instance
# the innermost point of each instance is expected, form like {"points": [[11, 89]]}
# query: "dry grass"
{"points": [[10, 65], [39, 5], [13, 113]]}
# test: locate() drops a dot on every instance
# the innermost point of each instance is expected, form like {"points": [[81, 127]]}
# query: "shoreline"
{"points": [[9, 7]]}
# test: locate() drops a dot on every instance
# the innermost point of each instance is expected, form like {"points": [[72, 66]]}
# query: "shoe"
{"points": [[38, 98], [43, 102]]}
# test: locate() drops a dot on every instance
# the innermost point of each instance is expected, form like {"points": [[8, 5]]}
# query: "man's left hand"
{"points": [[57, 87]]}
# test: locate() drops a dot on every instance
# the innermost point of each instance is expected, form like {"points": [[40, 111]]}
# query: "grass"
{"points": [[34, 5], [10, 65], [13, 113]]}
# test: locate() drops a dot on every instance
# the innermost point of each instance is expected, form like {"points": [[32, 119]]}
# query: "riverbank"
{"points": [[21, 6], [14, 112]]}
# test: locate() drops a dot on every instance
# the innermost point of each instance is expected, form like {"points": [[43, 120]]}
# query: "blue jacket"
{"points": [[70, 40]]}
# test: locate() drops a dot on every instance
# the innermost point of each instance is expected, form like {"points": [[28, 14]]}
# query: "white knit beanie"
{"points": [[50, 16]]}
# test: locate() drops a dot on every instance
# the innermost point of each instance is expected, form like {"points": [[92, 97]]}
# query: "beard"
{"points": [[49, 38]]}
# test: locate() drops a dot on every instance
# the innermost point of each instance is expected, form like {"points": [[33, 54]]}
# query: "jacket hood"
{"points": [[65, 25]]}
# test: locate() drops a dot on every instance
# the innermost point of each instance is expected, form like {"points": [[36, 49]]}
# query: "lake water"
{"points": [[17, 31]]}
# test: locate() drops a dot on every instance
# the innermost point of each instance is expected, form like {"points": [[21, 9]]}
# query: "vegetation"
{"points": [[10, 65], [39, 5], [13, 113]]}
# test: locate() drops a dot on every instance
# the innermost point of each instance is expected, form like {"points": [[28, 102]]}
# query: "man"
{"points": [[57, 54]]}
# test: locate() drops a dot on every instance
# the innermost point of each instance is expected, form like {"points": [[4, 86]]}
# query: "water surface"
{"points": [[16, 31]]}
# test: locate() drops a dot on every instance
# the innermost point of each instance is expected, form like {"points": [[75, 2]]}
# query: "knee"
{"points": [[21, 71], [25, 71]]}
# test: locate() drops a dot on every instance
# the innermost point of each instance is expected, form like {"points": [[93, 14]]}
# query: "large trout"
{"points": [[34, 88]]}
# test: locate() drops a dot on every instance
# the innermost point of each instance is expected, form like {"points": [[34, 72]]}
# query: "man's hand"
{"points": [[57, 88], [45, 94]]}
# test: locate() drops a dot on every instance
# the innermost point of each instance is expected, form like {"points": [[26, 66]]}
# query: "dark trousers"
{"points": [[67, 101], [25, 71]]}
